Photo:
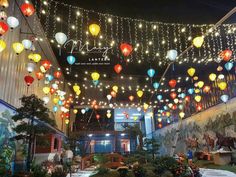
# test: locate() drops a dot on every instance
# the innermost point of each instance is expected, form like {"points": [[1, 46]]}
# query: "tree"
{"points": [[152, 147], [134, 132], [28, 128]]}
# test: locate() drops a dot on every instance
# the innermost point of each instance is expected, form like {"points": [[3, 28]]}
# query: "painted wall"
{"points": [[13, 67], [220, 118]]}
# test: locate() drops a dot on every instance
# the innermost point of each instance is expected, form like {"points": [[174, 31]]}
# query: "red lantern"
{"points": [[172, 83], [226, 55], [113, 93], [46, 64], [160, 125], [39, 75], [206, 89], [98, 116], [173, 95], [199, 107], [187, 98], [174, 107], [52, 90], [118, 68], [29, 80], [126, 49], [57, 74], [3, 28], [27, 9], [131, 97]]}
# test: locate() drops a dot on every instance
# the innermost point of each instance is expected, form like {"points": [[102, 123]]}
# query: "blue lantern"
{"points": [[224, 98], [49, 77], [191, 91], [71, 59], [159, 97], [151, 72], [165, 108], [229, 66], [60, 102], [182, 95], [55, 108], [95, 82], [86, 109], [156, 85]]}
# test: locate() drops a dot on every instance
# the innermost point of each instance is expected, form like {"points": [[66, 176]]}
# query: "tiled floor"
{"points": [[216, 173]]}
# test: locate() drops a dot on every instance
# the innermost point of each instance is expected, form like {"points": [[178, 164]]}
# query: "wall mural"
{"points": [[207, 131]]}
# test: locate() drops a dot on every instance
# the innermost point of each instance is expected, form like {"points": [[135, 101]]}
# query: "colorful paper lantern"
{"points": [[46, 64], [27, 9], [61, 38], [46, 100], [200, 84], [55, 108], [12, 22], [140, 93], [145, 106], [94, 29], [30, 67], [98, 116], [95, 82], [155, 85], [131, 97], [108, 115], [36, 57], [70, 59], [126, 49], [212, 77], [75, 111], [28, 80], [46, 90], [198, 41], [198, 98], [17, 47], [2, 45], [224, 98], [83, 111], [199, 107], [191, 71], [95, 76], [172, 83], [113, 93], [172, 55], [229, 66], [78, 92], [4, 3], [159, 97], [151, 72], [173, 95], [57, 74], [222, 85], [181, 115], [190, 91], [26, 43], [76, 88], [109, 97], [39, 75], [206, 89], [118, 68], [67, 121], [3, 28], [226, 55]]}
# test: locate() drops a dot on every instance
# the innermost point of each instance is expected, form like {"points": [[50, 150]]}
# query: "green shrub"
{"points": [[102, 171], [165, 163], [139, 171], [39, 171], [58, 172], [123, 172], [167, 174]]}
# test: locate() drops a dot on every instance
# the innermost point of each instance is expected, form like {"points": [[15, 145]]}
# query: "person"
{"points": [[190, 156]]}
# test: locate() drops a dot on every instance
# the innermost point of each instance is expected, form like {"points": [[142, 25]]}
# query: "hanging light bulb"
{"points": [[94, 29], [198, 41], [13, 22], [30, 67], [2, 45], [26, 43], [17, 47]]}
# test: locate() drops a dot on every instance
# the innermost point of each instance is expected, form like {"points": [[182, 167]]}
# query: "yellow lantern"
{"points": [[181, 115], [168, 114], [145, 106], [78, 92], [4, 3], [198, 41], [31, 56], [115, 88], [140, 93], [76, 88], [197, 91], [55, 100], [159, 119], [42, 69], [46, 90], [191, 71], [36, 57], [195, 78], [198, 98], [75, 111], [67, 121], [200, 84], [94, 29], [18, 47], [222, 85], [95, 76], [212, 77], [108, 115], [2, 45]]}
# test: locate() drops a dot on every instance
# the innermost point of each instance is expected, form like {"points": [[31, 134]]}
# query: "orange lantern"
{"points": [[206, 89], [131, 97], [113, 93], [173, 95], [118, 68], [57, 74], [39, 75], [226, 55], [172, 83], [46, 64]]}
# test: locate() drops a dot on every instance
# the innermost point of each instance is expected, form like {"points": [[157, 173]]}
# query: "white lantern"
{"points": [[83, 111], [30, 67], [172, 54], [138, 109], [12, 22], [224, 98], [3, 15], [109, 97], [221, 76], [32, 48], [111, 105], [55, 86], [61, 38], [46, 100], [27, 43]]}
